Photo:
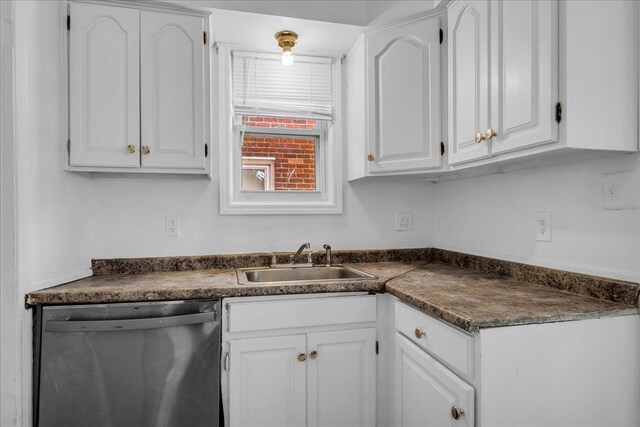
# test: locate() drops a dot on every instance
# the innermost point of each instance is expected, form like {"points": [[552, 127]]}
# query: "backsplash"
{"points": [[577, 283], [105, 267]]}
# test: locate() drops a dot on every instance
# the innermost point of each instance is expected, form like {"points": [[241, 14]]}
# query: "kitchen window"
{"points": [[292, 147], [280, 135]]}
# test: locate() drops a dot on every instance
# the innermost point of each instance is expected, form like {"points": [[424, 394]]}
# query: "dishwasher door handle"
{"points": [[128, 324]]}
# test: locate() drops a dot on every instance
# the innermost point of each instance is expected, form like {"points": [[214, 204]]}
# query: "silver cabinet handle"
{"points": [[225, 365], [128, 324]]}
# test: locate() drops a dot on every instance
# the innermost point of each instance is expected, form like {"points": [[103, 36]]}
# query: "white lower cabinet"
{"points": [[312, 361], [322, 379], [341, 378], [427, 393], [319, 375], [267, 381], [548, 374]]}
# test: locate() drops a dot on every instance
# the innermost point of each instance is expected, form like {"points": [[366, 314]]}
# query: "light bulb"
{"points": [[287, 58]]}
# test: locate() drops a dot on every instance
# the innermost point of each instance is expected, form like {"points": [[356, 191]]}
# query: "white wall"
{"points": [[494, 216], [52, 207], [10, 404], [129, 215], [352, 12]]}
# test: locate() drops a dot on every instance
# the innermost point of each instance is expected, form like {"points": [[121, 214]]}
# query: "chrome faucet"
{"points": [[292, 258], [327, 248], [274, 260]]}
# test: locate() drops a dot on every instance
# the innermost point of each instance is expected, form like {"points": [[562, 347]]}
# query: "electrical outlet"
{"points": [[543, 226], [172, 225], [404, 221]]}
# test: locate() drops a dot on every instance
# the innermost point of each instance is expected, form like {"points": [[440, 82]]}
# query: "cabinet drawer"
{"points": [[450, 345], [300, 313]]}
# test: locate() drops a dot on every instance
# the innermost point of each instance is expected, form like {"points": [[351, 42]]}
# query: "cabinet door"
{"points": [[524, 69], [403, 89], [267, 382], [341, 378], [173, 66], [426, 391], [104, 107], [468, 80]]}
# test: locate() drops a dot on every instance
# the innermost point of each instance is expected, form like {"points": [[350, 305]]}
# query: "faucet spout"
{"points": [[298, 252], [327, 248]]}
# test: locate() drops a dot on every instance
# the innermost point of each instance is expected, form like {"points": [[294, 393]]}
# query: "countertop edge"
{"points": [[379, 285]]}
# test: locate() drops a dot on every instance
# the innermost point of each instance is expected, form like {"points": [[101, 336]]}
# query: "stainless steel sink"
{"points": [[247, 276]]}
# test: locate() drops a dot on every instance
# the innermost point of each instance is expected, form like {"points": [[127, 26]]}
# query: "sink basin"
{"points": [[247, 276]]}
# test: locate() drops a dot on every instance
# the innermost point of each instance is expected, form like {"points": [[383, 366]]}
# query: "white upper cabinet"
{"points": [[468, 80], [393, 100], [524, 69], [599, 74], [503, 76], [104, 86], [403, 89], [173, 65], [138, 89], [523, 79]]}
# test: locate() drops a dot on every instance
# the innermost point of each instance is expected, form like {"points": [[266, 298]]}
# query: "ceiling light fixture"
{"points": [[286, 40]]}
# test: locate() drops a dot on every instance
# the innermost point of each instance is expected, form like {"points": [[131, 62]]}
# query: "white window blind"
{"points": [[263, 86]]}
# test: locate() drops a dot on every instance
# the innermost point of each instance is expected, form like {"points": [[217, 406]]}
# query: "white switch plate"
{"points": [[404, 221], [172, 225], [619, 191], [543, 226]]}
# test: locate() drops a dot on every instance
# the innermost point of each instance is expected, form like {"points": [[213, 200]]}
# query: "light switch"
{"points": [[619, 191]]}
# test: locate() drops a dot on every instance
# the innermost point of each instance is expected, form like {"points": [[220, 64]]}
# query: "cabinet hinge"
{"points": [[68, 22], [377, 347], [206, 150], [558, 112], [441, 36], [441, 148], [204, 37]]}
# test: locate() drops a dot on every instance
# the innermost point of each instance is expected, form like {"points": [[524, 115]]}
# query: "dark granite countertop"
{"points": [[472, 300], [463, 297], [199, 284]]}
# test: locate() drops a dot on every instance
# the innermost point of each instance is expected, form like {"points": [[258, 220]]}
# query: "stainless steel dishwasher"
{"points": [[129, 364]]}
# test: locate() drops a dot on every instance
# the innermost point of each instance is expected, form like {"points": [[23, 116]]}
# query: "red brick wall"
{"points": [[295, 157]]}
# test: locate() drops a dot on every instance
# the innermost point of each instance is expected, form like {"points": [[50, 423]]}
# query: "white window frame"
{"points": [[266, 164], [326, 199]]}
